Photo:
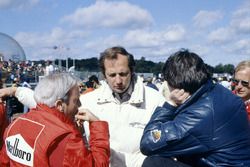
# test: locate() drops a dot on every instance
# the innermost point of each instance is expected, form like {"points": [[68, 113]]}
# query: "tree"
{"points": [[228, 68], [219, 68]]}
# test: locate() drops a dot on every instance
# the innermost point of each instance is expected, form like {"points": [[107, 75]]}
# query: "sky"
{"points": [[216, 30]]}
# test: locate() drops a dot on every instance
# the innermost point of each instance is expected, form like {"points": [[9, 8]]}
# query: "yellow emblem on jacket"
{"points": [[156, 135]]}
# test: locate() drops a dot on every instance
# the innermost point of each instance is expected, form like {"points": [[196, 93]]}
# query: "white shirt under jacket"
{"points": [[126, 120]]}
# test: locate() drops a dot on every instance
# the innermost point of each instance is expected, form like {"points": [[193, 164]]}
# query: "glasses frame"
{"points": [[242, 82]]}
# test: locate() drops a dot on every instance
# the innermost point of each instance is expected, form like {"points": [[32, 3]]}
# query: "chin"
{"points": [[242, 96], [119, 91]]}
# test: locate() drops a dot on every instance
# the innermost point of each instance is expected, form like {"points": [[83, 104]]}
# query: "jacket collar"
{"points": [[204, 88], [127, 94], [53, 111], [106, 94]]}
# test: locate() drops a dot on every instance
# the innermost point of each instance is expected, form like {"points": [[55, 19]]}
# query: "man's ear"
{"points": [[59, 105]]}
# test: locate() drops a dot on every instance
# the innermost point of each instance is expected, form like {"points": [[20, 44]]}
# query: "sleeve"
{"points": [[99, 143], [169, 134], [3, 123], [4, 159], [26, 96], [77, 154]]}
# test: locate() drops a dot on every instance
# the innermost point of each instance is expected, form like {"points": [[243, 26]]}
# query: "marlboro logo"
{"points": [[19, 151]]}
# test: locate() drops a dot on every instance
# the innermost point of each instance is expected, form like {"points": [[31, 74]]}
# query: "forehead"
{"points": [[243, 74], [115, 65]]}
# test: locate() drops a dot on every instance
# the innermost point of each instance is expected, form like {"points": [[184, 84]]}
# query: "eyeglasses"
{"points": [[243, 83]]}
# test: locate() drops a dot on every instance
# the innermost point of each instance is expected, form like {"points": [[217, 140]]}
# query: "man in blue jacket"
{"points": [[203, 124]]}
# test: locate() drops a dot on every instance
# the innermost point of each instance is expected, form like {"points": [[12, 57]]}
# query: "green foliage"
{"points": [[228, 68], [142, 66], [90, 65]]}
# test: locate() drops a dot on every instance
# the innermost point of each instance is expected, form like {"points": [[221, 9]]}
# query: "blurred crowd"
{"points": [[11, 71]]}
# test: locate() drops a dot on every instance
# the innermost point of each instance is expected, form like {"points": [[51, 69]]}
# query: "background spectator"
{"points": [[241, 82], [149, 82], [49, 69], [94, 81]]}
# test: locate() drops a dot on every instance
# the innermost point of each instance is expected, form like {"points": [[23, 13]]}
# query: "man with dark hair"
{"points": [[203, 124], [95, 81]]}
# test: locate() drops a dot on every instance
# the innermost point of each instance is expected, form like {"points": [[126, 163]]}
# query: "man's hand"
{"points": [[178, 97], [85, 115]]}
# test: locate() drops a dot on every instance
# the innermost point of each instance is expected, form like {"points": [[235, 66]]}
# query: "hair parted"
{"points": [[111, 53]]}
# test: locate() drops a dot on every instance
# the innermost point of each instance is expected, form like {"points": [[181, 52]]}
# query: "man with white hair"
{"points": [[48, 136]]}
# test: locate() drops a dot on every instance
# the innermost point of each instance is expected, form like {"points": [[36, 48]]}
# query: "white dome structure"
{"points": [[10, 49]]}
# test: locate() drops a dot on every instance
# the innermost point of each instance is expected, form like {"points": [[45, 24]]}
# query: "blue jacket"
{"points": [[210, 129]]}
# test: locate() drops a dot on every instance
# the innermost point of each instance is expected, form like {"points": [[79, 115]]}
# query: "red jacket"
{"points": [[3, 122], [247, 103], [248, 108], [45, 137]]}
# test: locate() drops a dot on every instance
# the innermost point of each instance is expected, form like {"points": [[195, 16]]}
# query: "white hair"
{"points": [[54, 87]]}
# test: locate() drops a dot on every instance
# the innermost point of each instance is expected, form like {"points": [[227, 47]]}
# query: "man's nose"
{"points": [[118, 79], [239, 85]]}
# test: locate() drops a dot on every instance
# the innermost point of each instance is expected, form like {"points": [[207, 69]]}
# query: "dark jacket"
{"points": [[210, 129]]}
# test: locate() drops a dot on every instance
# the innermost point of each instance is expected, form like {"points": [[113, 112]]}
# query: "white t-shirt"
{"points": [[49, 69]]}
